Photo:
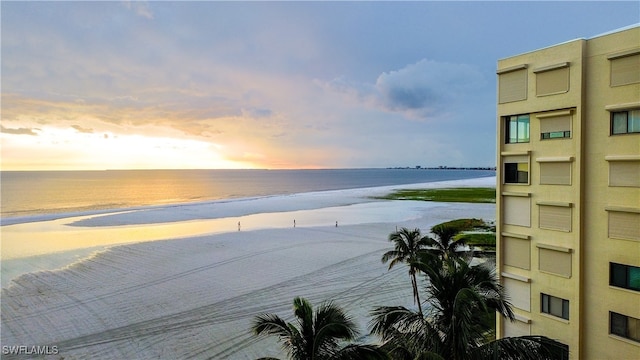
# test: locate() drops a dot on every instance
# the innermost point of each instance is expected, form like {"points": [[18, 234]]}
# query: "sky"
{"points": [[174, 85]]}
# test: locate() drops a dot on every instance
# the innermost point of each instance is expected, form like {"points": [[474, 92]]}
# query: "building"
{"points": [[568, 204]]}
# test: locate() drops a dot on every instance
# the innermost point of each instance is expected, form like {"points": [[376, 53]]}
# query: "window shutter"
{"points": [[520, 293], [625, 70], [515, 159], [555, 218], [555, 173], [552, 82], [624, 173], [517, 252], [516, 328], [556, 123], [555, 262], [512, 86], [517, 210], [624, 225]]}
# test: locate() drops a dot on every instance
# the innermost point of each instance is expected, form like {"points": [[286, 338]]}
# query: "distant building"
{"points": [[568, 204]]}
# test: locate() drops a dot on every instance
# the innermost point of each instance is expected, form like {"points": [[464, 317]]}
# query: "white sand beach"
{"points": [[181, 282]]}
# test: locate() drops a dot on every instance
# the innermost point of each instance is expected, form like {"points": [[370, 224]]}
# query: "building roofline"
{"points": [[628, 27]]}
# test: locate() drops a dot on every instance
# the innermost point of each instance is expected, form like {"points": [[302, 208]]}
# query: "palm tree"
{"points": [[459, 295], [318, 335], [445, 245], [408, 246]]}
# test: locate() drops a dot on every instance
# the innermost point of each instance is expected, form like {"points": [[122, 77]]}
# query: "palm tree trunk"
{"points": [[416, 297]]}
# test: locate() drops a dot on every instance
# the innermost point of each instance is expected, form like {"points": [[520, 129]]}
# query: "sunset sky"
{"points": [[121, 85]]}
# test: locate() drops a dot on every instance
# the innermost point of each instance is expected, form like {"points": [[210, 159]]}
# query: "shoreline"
{"points": [[355, 194], [52, 244], [195, 296]]}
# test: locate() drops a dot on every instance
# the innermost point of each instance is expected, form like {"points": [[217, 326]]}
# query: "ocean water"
{"points": [[31, 193]]}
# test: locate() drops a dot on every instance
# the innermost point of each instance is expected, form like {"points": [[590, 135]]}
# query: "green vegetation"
{"points": [[461, 225], [318, 333], [479, 239], [470, 195], [408, 246], [472, 232], [462, 299], [459, 324]]}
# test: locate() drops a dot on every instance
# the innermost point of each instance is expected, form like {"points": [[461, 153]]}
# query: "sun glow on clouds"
{"points": [[208, 84], [69, 149]]}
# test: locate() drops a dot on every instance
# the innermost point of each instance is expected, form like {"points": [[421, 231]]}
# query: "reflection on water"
{"points": [[30, 239], [27, 193]]}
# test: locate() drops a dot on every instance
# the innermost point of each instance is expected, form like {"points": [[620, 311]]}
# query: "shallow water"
{"points": [[51, 244]]}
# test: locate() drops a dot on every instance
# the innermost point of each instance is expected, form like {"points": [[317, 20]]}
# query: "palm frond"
{"points": [[388, 318], [360, 352], [406, 333], [270, 324], [393, 255], [518, 348], [332, 324], [429, 355]]}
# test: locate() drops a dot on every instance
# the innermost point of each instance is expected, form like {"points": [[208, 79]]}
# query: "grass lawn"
{"points": [[470, 195], [487, 239]]}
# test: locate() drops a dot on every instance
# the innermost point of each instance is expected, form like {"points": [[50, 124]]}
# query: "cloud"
{"points": [[19, 131], [427, 86], [256, 112], [421, 90], [82, 130], [141, 8]]}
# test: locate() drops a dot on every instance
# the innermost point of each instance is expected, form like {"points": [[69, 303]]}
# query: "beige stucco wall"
{"points": [[565, 331], [589, 96], [598, 297]]}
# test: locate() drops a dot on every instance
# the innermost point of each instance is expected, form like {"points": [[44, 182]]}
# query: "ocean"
{"points": [[32, 193]]}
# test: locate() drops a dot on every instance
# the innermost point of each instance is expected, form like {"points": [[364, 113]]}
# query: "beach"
{"points": [[185, 281]]}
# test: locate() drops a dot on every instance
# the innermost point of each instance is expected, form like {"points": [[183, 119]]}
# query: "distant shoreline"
{"points": [[492, 168], [196, 288], [35, 196], [90, 230], [13, 220], [489, 168]]}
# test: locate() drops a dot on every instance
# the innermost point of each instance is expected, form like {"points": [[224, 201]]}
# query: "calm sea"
{"points": [[31, 193]]}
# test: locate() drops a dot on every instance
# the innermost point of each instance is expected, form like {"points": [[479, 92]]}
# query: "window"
{"points": [[624, 223], [555, 135], [554, 217], [624, 173], [555, 172], [519, 292], [625, 68], [625, 326], [554, 306], [625, 122], [554, 260], [512, 84], [517, 129], [517, 210], [515, 167], [516, 173], [555, 125], [516, 328], [552, 79], [516, 252], [624, 276]]}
